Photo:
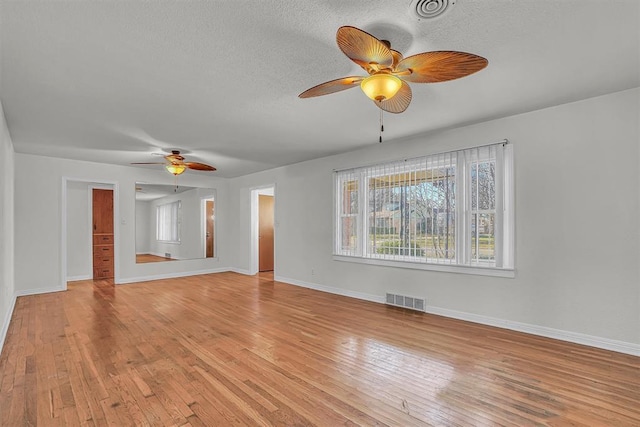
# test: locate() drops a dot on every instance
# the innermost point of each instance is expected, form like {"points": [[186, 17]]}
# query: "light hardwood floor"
{"points": [[226, 349], [144, 258]]}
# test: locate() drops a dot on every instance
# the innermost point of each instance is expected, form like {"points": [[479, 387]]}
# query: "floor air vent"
{"points": [[405, 301]]}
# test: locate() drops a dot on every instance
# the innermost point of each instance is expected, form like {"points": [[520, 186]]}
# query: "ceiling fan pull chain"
{"points": [[381, 124]]}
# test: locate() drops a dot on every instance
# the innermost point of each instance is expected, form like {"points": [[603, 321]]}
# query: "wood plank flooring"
{"points": [[144, 258], [226, 349]]}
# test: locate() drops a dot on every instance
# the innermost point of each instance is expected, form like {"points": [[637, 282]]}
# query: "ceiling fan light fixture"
{"points": [[175, 169], [380, 87]]}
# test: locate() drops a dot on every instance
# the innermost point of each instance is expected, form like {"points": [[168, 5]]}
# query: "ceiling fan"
{"points": [[389, 73], [176, 165]]}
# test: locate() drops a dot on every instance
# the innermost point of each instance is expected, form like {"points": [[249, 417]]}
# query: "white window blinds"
{"points": [[450, 208], [168, 222]]}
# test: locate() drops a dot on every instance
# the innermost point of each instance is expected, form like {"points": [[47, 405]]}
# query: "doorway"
{"points": [[77, 225], [263, 226], [209, 228], [265, 232]]}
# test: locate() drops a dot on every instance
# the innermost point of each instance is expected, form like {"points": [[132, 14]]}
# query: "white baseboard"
{"points": [[574, 337], [331, 290], [127, 280], [38, 291], [6, 321], [241, 271], [161, 255], [77, 278], [543, 331]]}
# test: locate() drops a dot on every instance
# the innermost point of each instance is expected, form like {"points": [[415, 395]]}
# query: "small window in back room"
{"points": [[168, 222]]}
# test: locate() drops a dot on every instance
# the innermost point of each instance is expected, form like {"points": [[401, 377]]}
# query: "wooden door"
{"points": [[209, 233], [102, 211], [265, 233], [102, 202]]}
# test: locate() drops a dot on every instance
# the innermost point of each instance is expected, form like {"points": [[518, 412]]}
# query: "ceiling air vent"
{"points": [[427, 9]]}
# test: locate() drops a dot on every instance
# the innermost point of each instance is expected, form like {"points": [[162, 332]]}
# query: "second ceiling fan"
{"points": [[176, 165], [389, 73]]}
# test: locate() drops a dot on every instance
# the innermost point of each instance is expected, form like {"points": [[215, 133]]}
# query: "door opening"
{"points": [[209, 215], [265, 232], [263, 224], [77, 239]]}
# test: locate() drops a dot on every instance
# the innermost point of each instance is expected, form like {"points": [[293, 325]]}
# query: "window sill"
{"points": [[461, 269]]}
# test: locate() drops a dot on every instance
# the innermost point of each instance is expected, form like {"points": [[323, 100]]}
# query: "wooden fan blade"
{"points": [[332, 86], [148, 163], [364, 49], [439, 66], [199, 166], [399, 102]]}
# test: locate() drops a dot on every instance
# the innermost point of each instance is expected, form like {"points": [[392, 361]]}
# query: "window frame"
{"points": [[463, 262]]}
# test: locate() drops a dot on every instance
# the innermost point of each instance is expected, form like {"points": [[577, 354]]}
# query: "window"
{"points": [[168, 222], [451, 209]]}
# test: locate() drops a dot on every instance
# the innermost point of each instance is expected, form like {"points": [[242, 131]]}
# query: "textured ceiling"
{"points": [[115, 81]]}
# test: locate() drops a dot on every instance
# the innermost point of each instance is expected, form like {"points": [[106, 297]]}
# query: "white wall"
{"points": [[7, 294], [79, 235], [577, 169], [143, 227], [38, 226]]}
